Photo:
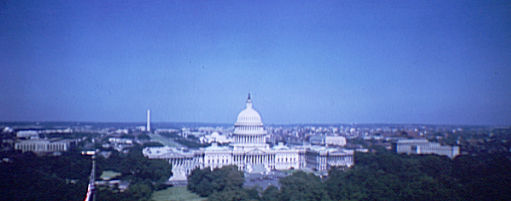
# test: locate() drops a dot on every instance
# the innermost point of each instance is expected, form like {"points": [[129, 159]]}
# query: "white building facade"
{"points": [[423, 146], [42, 146], [249, 152]]}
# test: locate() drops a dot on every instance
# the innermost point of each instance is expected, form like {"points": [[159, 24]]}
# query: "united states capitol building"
{"points": [[250, 152]]}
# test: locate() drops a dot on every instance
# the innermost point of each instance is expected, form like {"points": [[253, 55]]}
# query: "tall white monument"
{"points": [[148, 126]]}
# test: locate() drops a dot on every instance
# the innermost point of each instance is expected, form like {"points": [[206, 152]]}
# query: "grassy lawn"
{"points": [[176, 193], [108, 174]]}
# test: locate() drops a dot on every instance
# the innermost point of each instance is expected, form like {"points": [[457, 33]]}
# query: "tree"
{"points": [[252, 193], [29, 177], [270, 194], [484, 177], [302, 186], [199, 181], [205, 182], [388, 176]]}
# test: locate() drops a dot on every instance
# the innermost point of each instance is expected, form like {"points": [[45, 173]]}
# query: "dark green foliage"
{"points": [[376, 176], [206, 182], [252, 193], [484, 177], [140, 191], [199, 181], [270, 194], [28, 177], [388, 176], [302, 186]]}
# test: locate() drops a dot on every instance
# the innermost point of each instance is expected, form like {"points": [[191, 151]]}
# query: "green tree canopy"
{"points": [[302, 186], [205, 182]]}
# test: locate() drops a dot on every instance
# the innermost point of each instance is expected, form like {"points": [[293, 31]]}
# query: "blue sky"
{"points": [[445, 62]]}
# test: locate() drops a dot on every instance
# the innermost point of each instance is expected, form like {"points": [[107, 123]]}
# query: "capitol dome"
{"points": [[248, 128], [249, 117]]}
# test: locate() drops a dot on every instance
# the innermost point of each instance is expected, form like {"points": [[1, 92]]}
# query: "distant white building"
{"points": [[215, 137], [328, 140], [119, 144], [249, 152], [335, 140], [28, 134], [121, 131], [120, 140], [66, 130], [42, 146], [423, 146], [321, 158], [317, 140], [7, 130]]}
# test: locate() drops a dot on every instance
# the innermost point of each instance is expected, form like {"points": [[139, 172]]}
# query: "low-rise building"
{"points": [[323, 158], [42, 146], [335, 140], [423, 146], [27, 134], [215, 137], [328, 140]]}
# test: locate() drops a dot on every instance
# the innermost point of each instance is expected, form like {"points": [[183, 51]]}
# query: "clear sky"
{"points": [[441, 62]]}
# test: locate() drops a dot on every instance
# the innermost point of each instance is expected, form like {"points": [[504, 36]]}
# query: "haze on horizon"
{"points": [[313, 62]]}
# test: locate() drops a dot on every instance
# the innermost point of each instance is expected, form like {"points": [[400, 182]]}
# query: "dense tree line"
{"points": [[225, 184], [25, 176], [376, 176], [221, 184], [388, 176], [206, 182]]}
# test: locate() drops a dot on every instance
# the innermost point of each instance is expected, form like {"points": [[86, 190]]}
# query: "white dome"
{"points": [[249, 116], [248, 129]]}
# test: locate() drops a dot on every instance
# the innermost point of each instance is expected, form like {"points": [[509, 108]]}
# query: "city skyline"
{"points": [[321, 62]]}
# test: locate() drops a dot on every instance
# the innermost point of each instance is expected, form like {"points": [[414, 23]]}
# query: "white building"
{"points": [[42, 146], [328, 140], [249, 152], [335, 140], [423, 146], [323, 158], [28, 134], [215, 137]]}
